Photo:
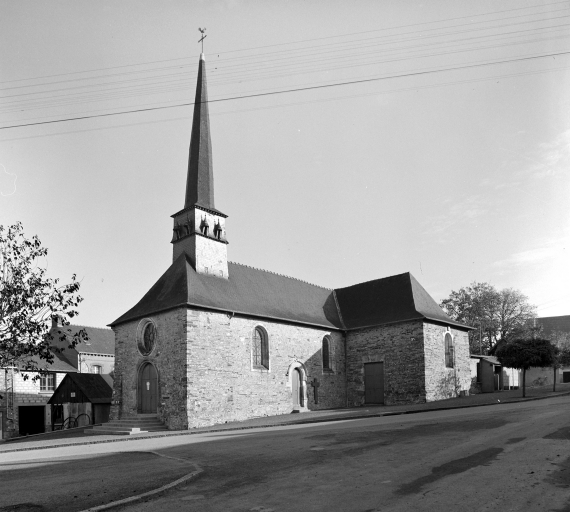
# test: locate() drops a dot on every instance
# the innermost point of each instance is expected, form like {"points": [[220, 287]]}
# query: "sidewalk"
{"points": [[78, 437]]}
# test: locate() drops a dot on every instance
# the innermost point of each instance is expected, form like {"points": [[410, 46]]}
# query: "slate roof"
{"points": [[101, 340], [248, 291], [200, 181], [389, 300], [253, 292], [93, 385], [554, 323], [59, 365]]}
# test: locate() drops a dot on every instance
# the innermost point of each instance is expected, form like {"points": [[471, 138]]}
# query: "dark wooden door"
{"points": [[148, 389], [296, 388], [374, 383]]}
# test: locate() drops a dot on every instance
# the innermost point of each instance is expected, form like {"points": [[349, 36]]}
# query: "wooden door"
{"points": [[148, 389], [374, 383], [296, 389]]}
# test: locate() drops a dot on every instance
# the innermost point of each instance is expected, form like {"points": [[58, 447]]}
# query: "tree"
{"points": [[527, 353], [497, 315], [29, 301], [562, 341]]}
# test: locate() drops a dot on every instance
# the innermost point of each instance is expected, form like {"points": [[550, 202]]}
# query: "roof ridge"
{"points": [[282, 275], [89, 326]]}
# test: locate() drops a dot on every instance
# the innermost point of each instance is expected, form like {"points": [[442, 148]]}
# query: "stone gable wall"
{"points": [[400, 348], [223, 385], [442, 382], [169, 358]]}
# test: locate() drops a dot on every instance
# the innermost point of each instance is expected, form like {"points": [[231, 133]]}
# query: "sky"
{"points": [[351, 140]]}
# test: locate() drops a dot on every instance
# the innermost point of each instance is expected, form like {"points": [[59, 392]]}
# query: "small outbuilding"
{"points": [[491, 376], [81, 399]]}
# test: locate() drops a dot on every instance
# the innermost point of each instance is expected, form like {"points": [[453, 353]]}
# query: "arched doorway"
{"points": [[297, 389], [147, 389]]}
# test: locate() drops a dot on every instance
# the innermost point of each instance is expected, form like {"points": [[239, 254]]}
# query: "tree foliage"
{"points": [[527, 353], [29, 301], [497, 315]]}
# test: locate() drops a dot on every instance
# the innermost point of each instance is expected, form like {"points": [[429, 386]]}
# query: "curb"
{"points": [[132, 499], [283, 424]]}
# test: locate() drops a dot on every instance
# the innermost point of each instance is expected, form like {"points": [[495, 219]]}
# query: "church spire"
{"points": [[200, 180], [199, 229]]}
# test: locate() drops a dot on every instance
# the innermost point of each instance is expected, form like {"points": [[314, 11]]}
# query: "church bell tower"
{"points": [[200, 229]]}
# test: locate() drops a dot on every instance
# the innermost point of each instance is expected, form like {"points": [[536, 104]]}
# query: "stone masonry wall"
{"points": [[400, 348], [442, 382], [223, 385], [206, 376], [169, 358]]}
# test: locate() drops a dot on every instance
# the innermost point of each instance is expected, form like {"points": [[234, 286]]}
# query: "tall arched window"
{"points": [[260, 354], [326, 353], [448, 350]]}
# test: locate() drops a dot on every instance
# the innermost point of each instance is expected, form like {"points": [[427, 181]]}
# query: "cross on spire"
{"points": [[201, 40]]}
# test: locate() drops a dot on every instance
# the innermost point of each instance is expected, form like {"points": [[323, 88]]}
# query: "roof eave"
{"points": [[227, 311]]}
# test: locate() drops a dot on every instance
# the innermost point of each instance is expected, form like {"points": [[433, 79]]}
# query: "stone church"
{"points": [[214, 341]]}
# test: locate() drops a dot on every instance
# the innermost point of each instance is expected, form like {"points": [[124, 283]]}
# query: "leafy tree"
{"points": [[562, 341], [29, 301], [527, 353], [497, 315]]}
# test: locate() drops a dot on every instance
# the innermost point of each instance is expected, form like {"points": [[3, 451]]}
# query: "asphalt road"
{"points": [[510, 457]]}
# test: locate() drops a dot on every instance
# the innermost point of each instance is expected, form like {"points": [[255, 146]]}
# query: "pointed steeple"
{"points": [[200, 180], [199, 229]]}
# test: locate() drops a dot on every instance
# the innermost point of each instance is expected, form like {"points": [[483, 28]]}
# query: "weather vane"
{"points": [[201, 40]]}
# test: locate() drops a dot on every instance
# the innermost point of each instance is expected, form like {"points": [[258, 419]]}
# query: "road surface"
{"points": [[509, 457]]}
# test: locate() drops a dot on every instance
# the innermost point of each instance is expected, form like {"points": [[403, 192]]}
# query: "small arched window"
{"points": [[326, 354], [260, 349], [449, 356]]}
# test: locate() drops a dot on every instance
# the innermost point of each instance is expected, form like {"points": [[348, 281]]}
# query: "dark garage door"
{"points": [[31, 420], [374, 383]]}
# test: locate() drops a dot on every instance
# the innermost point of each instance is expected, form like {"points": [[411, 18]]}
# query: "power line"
{"points": [[156, 85], [312, 102], [303, 41], [273, 93]]}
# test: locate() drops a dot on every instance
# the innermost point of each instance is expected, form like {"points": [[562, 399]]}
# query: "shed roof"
{"points": [[94, 386]]}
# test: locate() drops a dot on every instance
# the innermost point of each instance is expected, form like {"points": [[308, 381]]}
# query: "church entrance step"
{"points": [[129, 426]]}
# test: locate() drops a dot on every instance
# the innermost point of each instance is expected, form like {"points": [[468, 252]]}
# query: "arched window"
{"points": [[326, 353], [448, 350], [260, 349]]}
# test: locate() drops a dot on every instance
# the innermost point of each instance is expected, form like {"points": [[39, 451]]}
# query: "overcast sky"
{"points": [[450, 160]]}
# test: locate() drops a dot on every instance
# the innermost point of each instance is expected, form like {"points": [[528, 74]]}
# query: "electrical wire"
{"points": [[273, 93]]}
